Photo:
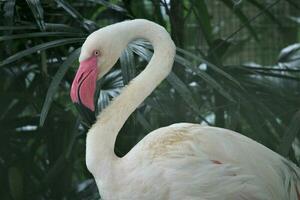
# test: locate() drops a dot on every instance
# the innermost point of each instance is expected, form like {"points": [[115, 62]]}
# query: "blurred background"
{"points": [[237, 67]]}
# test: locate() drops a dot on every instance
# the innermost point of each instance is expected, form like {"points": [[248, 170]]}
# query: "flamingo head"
{"points": [[99, 53]]}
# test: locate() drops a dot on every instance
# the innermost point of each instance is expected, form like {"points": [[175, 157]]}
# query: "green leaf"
{"points": [[289, 53], [110, 5], [127, 65], [8, 9], [293, 3], [62, 27], [139, 48], [218, 49], [178, 85], [146, 54], [290, 134], [70, 9], [38, 13], [212, 82], [15, 178], [49, 26], [75, 14], [203, 18], [242, 17], [213, 67], [184, 91], [207, 78], [8, 28], [235, 48], [54, 172], [40, 34], [143, 121], [111, 85], [266, 11], [40, 47], [55, 83]]}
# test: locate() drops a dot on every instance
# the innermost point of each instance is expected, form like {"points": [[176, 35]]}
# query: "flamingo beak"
{"points": [[84, 85]]}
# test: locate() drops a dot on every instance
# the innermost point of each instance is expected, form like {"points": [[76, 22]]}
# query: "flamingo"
{"points": [[181, 161]]}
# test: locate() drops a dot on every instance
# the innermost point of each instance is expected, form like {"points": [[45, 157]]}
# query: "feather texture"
{"points": [[181, 161], [176, 162]]}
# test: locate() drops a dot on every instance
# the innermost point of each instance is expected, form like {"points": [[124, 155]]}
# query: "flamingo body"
{"points": [[181, 161], [190, 161]]}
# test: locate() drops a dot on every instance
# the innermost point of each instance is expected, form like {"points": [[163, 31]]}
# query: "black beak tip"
{"points": [[87, 115]]}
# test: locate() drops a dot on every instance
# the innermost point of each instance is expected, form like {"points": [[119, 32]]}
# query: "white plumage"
{"points": [[181, 161]]}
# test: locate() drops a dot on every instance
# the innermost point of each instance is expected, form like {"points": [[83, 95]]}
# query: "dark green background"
{"points": [[237, 66]]}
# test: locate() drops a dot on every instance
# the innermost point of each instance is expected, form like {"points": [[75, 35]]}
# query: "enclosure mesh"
{"points": [[272, 37]]}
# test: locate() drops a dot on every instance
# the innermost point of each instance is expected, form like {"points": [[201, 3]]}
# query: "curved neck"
{"points": [[111, 120]]}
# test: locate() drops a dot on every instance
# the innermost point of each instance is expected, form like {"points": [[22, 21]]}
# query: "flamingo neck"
{"points": [[101, 143]]}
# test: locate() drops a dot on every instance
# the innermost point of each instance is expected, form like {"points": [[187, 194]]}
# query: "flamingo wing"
{"points": [[209, 163]]}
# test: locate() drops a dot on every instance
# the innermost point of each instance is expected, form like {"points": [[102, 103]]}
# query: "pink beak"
{"points": [[84, 84]]}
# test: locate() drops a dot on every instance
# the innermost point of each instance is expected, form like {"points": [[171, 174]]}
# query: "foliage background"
{"points": [[214, 81]]}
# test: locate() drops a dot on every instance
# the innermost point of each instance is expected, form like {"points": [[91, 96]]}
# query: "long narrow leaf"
{"points": [[39, 47], [38, 13], [49, 26], [74, 13], [266, 11], [293, 3], [55, 83], [213, 83], [203, 18], [9, 10], [178, 85], [241, 16], [140, 48], [69, 9], [290, 135], [184, 91], [40, 34], [110, 5], [143, 121], [127, 66], [214, 67]]}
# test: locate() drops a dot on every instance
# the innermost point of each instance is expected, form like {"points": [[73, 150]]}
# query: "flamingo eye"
{"points": [[96, 52]]}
